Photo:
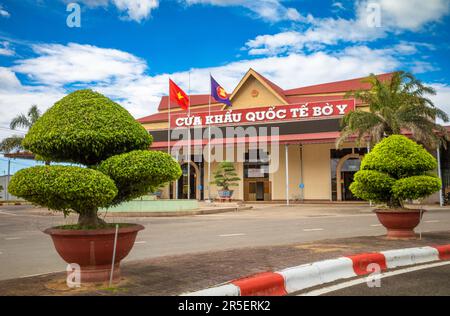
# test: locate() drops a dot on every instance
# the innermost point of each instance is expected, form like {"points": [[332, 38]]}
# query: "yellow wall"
{"points": [[316, 173], [244, 99], [278, 178]]}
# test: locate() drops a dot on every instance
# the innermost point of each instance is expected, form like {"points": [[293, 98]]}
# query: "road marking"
{"points": [[375, 225], [141, 242], [13, 238], [38, 274], [347, 284], [232, 235], [432, 221], [8, 213], [312, 229]]}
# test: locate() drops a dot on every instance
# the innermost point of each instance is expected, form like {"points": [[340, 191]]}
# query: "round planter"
{"points": [[401, 223], [225, 194], [93, 249]]}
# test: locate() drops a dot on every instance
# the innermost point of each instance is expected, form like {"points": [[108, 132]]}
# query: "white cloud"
{"points": [[270, 10], [442, 97], [338, 5], [4, 13], [61, 64], [396, 16], [412, 14], [16, 98], [134, 10], [6, 50]]}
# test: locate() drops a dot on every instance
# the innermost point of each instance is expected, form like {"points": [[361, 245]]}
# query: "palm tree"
{"points": [[24, 121], [396, 105]]}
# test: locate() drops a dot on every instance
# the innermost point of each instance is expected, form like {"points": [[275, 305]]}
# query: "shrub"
{"points": [[87, 128], [400, 157], [225, 176], [64, 188], [395, 170], [416, 187], [139, 172], [372, 185]]}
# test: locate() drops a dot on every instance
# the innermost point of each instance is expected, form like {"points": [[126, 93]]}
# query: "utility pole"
{"points": [[7, 180]]}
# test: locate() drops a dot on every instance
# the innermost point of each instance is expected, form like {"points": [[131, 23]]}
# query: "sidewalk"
{"points": [[174, 275]]}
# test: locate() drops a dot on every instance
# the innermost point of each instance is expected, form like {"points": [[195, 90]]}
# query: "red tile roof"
{"points": [[337, 86]]}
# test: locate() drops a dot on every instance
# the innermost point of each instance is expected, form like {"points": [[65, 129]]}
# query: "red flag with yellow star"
{"points": [[178, 96]]}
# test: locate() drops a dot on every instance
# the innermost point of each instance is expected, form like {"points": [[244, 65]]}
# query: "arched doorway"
{"points": [[194, 179], [345, 171]]}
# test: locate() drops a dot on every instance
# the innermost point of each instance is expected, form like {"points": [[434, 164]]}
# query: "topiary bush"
{"points": [[87, 128], [139, 172], [397, 169], [225, 176]]}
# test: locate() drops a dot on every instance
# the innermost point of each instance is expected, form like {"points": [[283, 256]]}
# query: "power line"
{"points": [[12, 130]]}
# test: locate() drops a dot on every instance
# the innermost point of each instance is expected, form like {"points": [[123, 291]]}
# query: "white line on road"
{"points": [[141, 242], [13, 238], [312, 229], [38, 274], [432, 221], [231, 235], [375, 225], [7, 213], [347, 284]]}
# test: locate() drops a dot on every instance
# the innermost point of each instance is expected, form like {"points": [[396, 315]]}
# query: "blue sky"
{"points": [[127, 49]]}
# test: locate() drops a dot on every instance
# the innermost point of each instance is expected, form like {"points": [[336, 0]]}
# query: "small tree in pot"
{"points": [[89, 129], [225, 177], [397, 169]]}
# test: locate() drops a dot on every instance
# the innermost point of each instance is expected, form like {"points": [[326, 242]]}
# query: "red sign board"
{"points": [[291, 112]]}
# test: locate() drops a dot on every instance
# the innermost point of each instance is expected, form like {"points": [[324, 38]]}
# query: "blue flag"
{"points": [[219, 93]]}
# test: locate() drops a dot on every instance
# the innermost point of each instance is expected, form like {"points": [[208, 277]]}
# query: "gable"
{"points": [[253, 93]]}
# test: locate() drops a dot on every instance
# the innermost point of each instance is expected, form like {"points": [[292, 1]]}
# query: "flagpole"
{"points": [[168, 133], [209, 141], [189, 140], [168, 124]]}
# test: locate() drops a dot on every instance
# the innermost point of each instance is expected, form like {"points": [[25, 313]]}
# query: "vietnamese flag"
{"points": [[178, 96]]}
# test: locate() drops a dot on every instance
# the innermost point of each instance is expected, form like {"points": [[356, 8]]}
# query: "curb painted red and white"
{"points": [[301, 277]]}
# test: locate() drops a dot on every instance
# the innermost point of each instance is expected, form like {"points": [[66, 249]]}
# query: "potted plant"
{"points": [[397, 169], [225, 177], [89, 129]]}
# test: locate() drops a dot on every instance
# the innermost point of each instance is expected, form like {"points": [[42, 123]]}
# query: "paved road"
{"points": [[25, 250], [431, 281]]}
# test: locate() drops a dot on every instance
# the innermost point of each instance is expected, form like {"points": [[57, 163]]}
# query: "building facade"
{"points": [[281, 141]]}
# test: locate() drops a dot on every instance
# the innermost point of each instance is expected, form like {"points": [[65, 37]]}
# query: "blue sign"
{"points": [[301, 185], [200, 187]]}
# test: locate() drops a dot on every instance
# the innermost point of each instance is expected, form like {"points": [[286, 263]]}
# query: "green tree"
{"points": [[225, 176], [87, 128], [395, 105], [25, 121], [397, 169]]}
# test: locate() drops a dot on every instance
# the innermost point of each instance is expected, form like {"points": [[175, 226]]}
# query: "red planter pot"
{"points": [[93, 249], [400, 224]]}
